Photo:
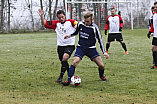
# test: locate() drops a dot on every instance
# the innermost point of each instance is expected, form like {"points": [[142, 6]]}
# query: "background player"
{"points": [[88, 33], [150, 18], [150, 21], [65, 47], [115, 24], [154, 41]]}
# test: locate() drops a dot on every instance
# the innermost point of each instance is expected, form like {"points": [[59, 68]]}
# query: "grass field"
{"points": [[29, 66]]}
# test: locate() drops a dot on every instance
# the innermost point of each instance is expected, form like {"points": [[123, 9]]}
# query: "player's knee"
{"points": [[65, 57], [75, 63], [101, 66], [154, 48], [122, 42]]}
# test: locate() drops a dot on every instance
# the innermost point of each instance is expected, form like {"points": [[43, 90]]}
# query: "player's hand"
{"points": [[148, 35], [106, 55], [75, 26], [66, 36], [105, 32], [120, 29], [40, 12]]}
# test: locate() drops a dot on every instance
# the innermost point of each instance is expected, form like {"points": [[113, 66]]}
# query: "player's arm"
{"points": [[73, 23], [70, 35], [98, 34], [121, 23], [106, 26], [151, 30], [40, 12]]}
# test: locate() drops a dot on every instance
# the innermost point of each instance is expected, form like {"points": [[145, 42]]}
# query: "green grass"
{"points": [[29, 66]]}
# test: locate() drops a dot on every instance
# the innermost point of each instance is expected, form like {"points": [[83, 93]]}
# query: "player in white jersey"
{"points": [[150, 18], [62, 28], [154, 41], [115, 24]]}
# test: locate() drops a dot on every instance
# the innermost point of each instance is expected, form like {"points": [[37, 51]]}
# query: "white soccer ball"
{"points": [[75, 80]]}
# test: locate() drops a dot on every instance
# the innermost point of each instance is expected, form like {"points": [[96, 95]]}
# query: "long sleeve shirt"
{"points": [[88, 35]]}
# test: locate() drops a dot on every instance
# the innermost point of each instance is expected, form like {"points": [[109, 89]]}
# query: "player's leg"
{"points": [[120, 39], [64, 66], [101, 67], [107, 46], [124, 47], [76, 59], [64, 53], [71, 72], [154, 51], [109, 40], [94, 56], [60, 51], [67, 53]]}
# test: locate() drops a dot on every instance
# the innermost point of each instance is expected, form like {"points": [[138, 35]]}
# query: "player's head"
{"points": [[113, 11], [88, 18], [152, 9], [119, 13], [61, 16], [155, 6]]}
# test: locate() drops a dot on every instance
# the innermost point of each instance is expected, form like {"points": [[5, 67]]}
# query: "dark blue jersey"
{"points": [[88, 35]]}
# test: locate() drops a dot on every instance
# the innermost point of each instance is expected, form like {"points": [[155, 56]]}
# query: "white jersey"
{"points": [[113, 23], [150, 22], [62, 30], [154, 25]]}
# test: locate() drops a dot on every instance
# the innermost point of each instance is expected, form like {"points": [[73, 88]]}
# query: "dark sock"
{"points": [[101, 72], [71, 72], [65, 66], [124, 46], [155, 57], [107, 46]]}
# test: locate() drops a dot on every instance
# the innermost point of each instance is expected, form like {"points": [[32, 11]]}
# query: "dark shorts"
{"points": [[154, 41], [91, 53], [65, 49], [113, 36]]}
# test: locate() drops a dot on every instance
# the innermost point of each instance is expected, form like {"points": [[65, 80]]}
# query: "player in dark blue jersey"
{"points": [[88, 34]]}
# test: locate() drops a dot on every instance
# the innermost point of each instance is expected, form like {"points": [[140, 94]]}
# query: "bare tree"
{"points": [[41, 6], [54, 12], [30, 9], [8, 14], [50, 14], [2, 15]]}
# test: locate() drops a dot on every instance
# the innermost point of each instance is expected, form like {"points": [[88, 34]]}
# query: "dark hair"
{"points": [[113, 8], [60, 12], [88, 14], [152, 7], [119, 13], [155, 3]]}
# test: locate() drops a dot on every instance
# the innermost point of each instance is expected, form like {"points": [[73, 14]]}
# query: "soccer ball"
{"points": [[75, 80]]}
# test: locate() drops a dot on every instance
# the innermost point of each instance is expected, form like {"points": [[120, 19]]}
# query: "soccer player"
{"points": [[65, 47], [88, 34], [150, 18], [115, 24], [150, 21], [154, 41]]}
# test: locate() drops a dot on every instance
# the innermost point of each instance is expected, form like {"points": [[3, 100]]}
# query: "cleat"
{"points": [[154, 67], [126, 52], [66, 83], [106, 51], [59, 79], [104, 79]]}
